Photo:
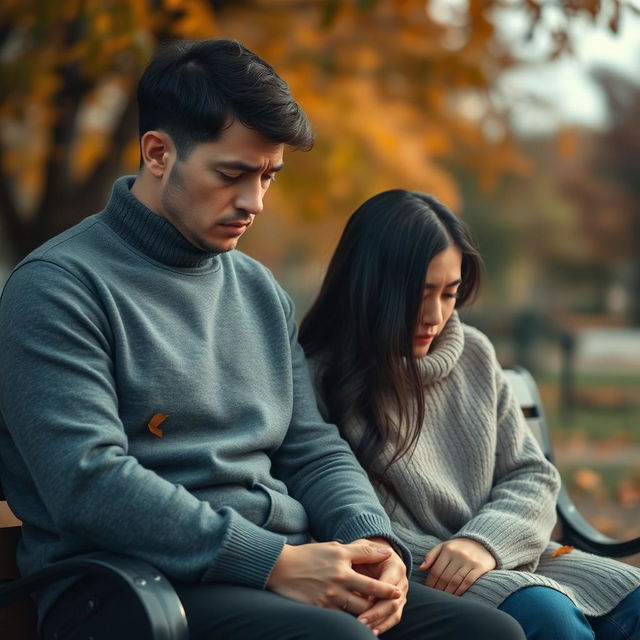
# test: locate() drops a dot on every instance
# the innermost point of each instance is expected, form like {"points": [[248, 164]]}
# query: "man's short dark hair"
{"points": [[193, 89]]}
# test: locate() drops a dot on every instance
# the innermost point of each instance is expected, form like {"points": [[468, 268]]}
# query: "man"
{"points": [[157, 403]]}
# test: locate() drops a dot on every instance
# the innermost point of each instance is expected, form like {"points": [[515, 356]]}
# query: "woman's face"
{"points": [[439, 298]]}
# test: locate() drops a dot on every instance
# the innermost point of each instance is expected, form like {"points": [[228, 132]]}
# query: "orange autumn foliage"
{"points": [[398, 91]]}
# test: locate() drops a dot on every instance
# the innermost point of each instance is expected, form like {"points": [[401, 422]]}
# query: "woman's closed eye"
{"points": [[448, 295]]}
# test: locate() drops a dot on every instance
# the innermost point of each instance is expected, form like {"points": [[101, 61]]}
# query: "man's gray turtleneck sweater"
{"points": [[120, 319]]}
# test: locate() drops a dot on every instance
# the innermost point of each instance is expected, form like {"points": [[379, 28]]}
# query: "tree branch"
{"points": [[67, 102], [105, 170], [13, 222]]}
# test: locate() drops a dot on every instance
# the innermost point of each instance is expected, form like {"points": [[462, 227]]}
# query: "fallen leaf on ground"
{"points": [[587, 480]]}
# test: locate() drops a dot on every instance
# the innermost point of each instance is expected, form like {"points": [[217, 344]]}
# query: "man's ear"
{"points": [[156, 148]]}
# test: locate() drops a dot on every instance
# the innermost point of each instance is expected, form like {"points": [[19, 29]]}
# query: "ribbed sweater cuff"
{"points": [[247, 555], [503, 545], [369, 525]]}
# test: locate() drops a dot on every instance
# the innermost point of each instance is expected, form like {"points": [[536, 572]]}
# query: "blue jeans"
{"points": [[547, 614]]}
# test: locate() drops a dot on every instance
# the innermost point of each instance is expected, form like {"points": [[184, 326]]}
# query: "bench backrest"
{"points": [[526, 391]]}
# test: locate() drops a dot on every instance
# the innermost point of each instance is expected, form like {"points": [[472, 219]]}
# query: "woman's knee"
{"points": [[623, 622], [547, 614]]}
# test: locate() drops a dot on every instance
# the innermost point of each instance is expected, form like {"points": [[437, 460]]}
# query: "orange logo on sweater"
{"points": [[155, 422]]}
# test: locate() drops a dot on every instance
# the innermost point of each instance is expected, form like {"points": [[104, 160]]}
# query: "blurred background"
{"points": [[523, 116]]}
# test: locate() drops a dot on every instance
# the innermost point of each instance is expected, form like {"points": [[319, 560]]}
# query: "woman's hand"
{"points": [[325, 574], [456, 564]]}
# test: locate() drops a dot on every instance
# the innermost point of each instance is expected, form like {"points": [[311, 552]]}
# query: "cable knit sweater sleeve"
{"points": [[516, 522]]}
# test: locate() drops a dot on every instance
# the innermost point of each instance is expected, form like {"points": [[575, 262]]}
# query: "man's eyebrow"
{"points": [[248, 168], [428, 285]]}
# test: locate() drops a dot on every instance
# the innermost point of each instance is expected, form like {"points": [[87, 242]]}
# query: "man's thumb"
{"points": [[369, 553]]}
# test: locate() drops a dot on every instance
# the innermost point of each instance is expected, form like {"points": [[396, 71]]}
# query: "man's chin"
{"points": [[224, 248], [215, 247]]}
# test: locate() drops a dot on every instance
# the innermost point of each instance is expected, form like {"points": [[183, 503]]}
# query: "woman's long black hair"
{"points": [[362, 324]]}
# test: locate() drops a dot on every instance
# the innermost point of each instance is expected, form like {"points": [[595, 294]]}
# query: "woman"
{"points": [[425, 406]]}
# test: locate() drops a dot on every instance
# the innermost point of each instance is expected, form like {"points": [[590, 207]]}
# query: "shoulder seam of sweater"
{"points": [[53, 264], [62, 241]]}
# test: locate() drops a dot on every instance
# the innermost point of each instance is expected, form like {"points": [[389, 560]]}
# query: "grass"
{"points": [[606, 407], [611, 476], [596, 425]]}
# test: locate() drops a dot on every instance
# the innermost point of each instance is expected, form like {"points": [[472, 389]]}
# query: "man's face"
{"points": [[213, 195]]}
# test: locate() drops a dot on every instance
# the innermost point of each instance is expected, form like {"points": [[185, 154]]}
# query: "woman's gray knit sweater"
{"points": [[477, 472]]}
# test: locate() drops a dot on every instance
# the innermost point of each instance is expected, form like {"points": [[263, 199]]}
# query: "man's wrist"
{"points": [[387, 543]]}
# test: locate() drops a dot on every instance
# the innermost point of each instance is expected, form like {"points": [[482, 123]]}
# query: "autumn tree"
{"points": [[396, 90], [67, 111], [603, 182]]}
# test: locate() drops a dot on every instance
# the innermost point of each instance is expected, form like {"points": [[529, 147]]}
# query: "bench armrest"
{"points": [[578, 532], [150, 590]]}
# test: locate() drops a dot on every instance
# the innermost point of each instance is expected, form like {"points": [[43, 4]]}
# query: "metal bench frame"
{"points": [[576, 531]]}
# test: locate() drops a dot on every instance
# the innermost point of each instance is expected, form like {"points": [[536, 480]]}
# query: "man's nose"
{"points": [[249, 198]]}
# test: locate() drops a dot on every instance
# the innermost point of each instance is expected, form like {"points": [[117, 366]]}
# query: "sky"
{"points": [[565, 85]]}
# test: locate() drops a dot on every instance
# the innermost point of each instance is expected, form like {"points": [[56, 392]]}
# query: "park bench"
{"points": [[154, 604], [153, 610], [572, 528]]}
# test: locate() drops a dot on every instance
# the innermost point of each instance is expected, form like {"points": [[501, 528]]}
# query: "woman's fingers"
{"points": [[431, 557], [468, 580], [453, 577], [438, 569], [458, 564]]}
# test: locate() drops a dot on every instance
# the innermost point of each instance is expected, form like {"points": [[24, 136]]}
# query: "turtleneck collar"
{"points": [[444, 353], [149, 233]]}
